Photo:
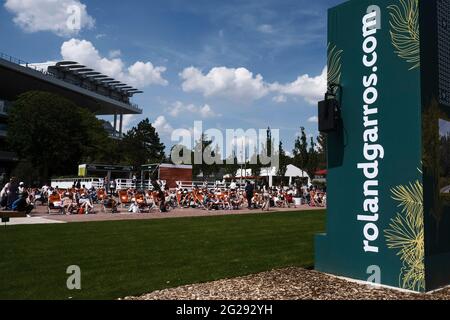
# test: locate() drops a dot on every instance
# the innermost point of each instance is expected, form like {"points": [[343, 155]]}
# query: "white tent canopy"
{"points": [[292, 173]]}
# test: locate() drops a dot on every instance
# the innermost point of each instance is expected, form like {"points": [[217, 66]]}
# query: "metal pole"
{"points": [[115, 123], [121, 124]]}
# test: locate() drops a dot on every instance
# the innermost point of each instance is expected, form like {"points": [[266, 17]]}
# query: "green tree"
{"points": [[322, 150], [53, 134], [254, 163], [300, 151], [283, 161], [98, 146], [313, 159], [231, 165], [202, 146], [142, 145]]}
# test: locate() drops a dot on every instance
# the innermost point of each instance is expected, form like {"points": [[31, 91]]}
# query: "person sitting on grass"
{"points": [[23, 204]]}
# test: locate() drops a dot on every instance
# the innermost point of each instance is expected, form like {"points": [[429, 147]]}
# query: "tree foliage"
{"points": [[283, 161], [205, 147], [53, 134], [322, 149], [142, 145], [301, 150], [311, 156]]}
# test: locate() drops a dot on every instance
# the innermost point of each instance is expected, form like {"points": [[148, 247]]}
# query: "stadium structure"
{"points": [[99, 93]]}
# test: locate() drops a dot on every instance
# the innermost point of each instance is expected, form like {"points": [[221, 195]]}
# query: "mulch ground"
{"points": [[288, 284]]}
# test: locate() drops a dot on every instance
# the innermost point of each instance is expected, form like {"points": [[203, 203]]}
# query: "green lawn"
{"points": [[124, 258]]}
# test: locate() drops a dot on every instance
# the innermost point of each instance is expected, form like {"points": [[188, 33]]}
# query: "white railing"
{"points": [[98, 183], [210, 185], [69, 183], [125, 184]]}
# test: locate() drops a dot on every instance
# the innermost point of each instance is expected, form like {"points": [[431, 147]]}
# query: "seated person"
{"points": [[69, 206], [85, 203], [207, 201], [39, 197], [110, 203], [235, 201], [134, 206], [93, 195], [23, 204]]}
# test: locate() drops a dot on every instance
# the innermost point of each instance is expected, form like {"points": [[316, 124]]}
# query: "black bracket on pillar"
{"points": [[330, 109]]}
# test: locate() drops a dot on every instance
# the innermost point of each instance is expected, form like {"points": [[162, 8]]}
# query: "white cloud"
{"points": [[266, 28], [127, 122], [140, 74], [237, 84], [312, 89], [279, 99], [162, 126], [207, 112], [176, 109], [179, 108], [243, 141], [241, 84], [62, 17], [313, 119], [115, 54]]}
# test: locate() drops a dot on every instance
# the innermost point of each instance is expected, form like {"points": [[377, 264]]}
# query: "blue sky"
{"points": [[232, 64]]}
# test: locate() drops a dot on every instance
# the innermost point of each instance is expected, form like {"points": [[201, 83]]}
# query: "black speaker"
{"points": [[329, 115]]}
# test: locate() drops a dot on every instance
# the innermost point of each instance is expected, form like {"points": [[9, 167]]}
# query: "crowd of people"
{"points": [[232, 197], [15, 196]]}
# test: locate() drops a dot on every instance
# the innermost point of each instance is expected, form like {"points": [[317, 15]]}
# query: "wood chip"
{"points": [[287, 284]]}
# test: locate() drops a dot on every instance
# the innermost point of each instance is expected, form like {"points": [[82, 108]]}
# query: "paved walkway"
{"points": [[29, 221], [155, 214]]}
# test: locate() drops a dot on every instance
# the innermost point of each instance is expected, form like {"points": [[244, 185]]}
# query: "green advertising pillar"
{"points": [[388, 218]]}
